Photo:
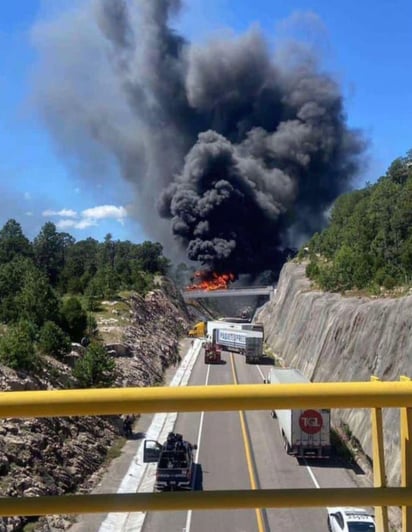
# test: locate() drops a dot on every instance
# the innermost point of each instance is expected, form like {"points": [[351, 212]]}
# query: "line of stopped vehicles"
{"points": [[305, 433]]}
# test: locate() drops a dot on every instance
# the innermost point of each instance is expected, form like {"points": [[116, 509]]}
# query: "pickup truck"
{"points": [[174, 462]]}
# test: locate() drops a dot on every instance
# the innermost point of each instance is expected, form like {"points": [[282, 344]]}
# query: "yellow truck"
{"points": [[198, 330]]}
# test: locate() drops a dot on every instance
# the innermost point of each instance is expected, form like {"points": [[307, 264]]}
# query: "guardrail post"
{"points": [[406, 459], [379, 475]]}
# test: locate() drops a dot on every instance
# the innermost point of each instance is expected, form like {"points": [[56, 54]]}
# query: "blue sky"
{"points": [[366, 45]]}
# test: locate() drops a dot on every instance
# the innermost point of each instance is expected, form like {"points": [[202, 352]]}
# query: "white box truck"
{"points": [[305, 432]]}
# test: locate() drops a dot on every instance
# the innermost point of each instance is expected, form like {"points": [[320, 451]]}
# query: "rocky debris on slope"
{"points": [[49, 456], [53, 456], [334, 338], [153, 339]]}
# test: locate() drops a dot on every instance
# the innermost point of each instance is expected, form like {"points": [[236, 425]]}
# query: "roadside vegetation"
{"points": [[368, 243], [51, 289]]}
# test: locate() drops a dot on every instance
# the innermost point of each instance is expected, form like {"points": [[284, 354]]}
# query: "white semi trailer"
{"points": [[305, 432], [248, 343]]}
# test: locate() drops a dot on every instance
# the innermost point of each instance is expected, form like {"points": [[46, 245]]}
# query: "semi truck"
{"points": [[305, 432], [205, 328], [248, 343], [175, 467]]}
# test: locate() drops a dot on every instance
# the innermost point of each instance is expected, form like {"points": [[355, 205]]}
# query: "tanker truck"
{"points": [[305, 432]]}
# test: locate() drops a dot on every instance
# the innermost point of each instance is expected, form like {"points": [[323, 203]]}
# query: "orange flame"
{"points": [[211, 281]]}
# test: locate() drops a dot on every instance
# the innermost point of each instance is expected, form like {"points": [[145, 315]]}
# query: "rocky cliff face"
{"points": [[334, 338], [63, 455]]}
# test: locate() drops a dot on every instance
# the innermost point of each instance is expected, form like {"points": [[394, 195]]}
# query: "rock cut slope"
{"points": [[334, 338], [54, 456]]}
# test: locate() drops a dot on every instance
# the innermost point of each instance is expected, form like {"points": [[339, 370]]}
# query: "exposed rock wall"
{"points": [[334, 338], [63, 455]]}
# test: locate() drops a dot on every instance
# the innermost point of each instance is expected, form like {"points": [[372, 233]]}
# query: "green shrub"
{"points": [[389, 282], [74, 318], [312, 270], [17, 347], [91, 325], [53, 340], [95, 369]]}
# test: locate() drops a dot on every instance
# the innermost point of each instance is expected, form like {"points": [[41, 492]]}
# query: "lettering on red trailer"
{"points": [[310, 421]]}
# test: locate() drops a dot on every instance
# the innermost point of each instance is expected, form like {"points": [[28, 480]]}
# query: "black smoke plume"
{"points": [[240, 154]]}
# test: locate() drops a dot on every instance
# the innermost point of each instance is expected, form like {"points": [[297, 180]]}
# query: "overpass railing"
{"points": [[374, 395]]}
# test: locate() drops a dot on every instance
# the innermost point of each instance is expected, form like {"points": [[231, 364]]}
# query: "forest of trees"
{"points": [[49, 286], [368, 243]]}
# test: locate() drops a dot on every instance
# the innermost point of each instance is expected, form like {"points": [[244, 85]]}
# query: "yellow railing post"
{"points": [[406, 459], [379, 475]]}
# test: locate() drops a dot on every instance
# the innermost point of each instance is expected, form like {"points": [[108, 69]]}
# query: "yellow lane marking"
{"points": [[248, 452]]}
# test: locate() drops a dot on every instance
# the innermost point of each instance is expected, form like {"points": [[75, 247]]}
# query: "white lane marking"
{"points": [[311, 473], [140, 476], [261, 373], [199, 436]]}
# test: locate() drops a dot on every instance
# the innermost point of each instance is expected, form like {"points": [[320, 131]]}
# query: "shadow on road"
{"points": [[137, 436], [266, 361], [198, 477], [263, 361], [335, 462]]}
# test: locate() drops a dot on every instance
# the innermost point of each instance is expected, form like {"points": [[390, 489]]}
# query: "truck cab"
{"points": [[213, 354], [174, 462], [198, 330]]}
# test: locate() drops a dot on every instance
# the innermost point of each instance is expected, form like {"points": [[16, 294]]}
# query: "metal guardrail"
{"points": [[375, 395]]}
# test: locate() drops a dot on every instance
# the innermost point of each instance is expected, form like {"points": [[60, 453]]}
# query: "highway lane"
{"points": [[287, 471], [275, 468], [223, 463], [223, 459]]}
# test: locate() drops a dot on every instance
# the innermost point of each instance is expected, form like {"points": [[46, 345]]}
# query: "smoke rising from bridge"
{"points": [[233, 154]]}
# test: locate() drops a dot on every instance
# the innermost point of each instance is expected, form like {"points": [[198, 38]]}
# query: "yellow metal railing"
{"points": [[374, 395]]}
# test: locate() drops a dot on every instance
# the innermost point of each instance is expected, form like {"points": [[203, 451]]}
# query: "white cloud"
{"points": [[87, 218], [65, 224], [75, 224], [82, 224], [67, 213], [106, 211]]}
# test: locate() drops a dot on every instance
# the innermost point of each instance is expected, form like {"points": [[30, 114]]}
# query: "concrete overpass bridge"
{"points": [[229, 292]]}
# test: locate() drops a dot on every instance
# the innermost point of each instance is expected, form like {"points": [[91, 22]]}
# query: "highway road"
{"points": [[241, 451]]}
